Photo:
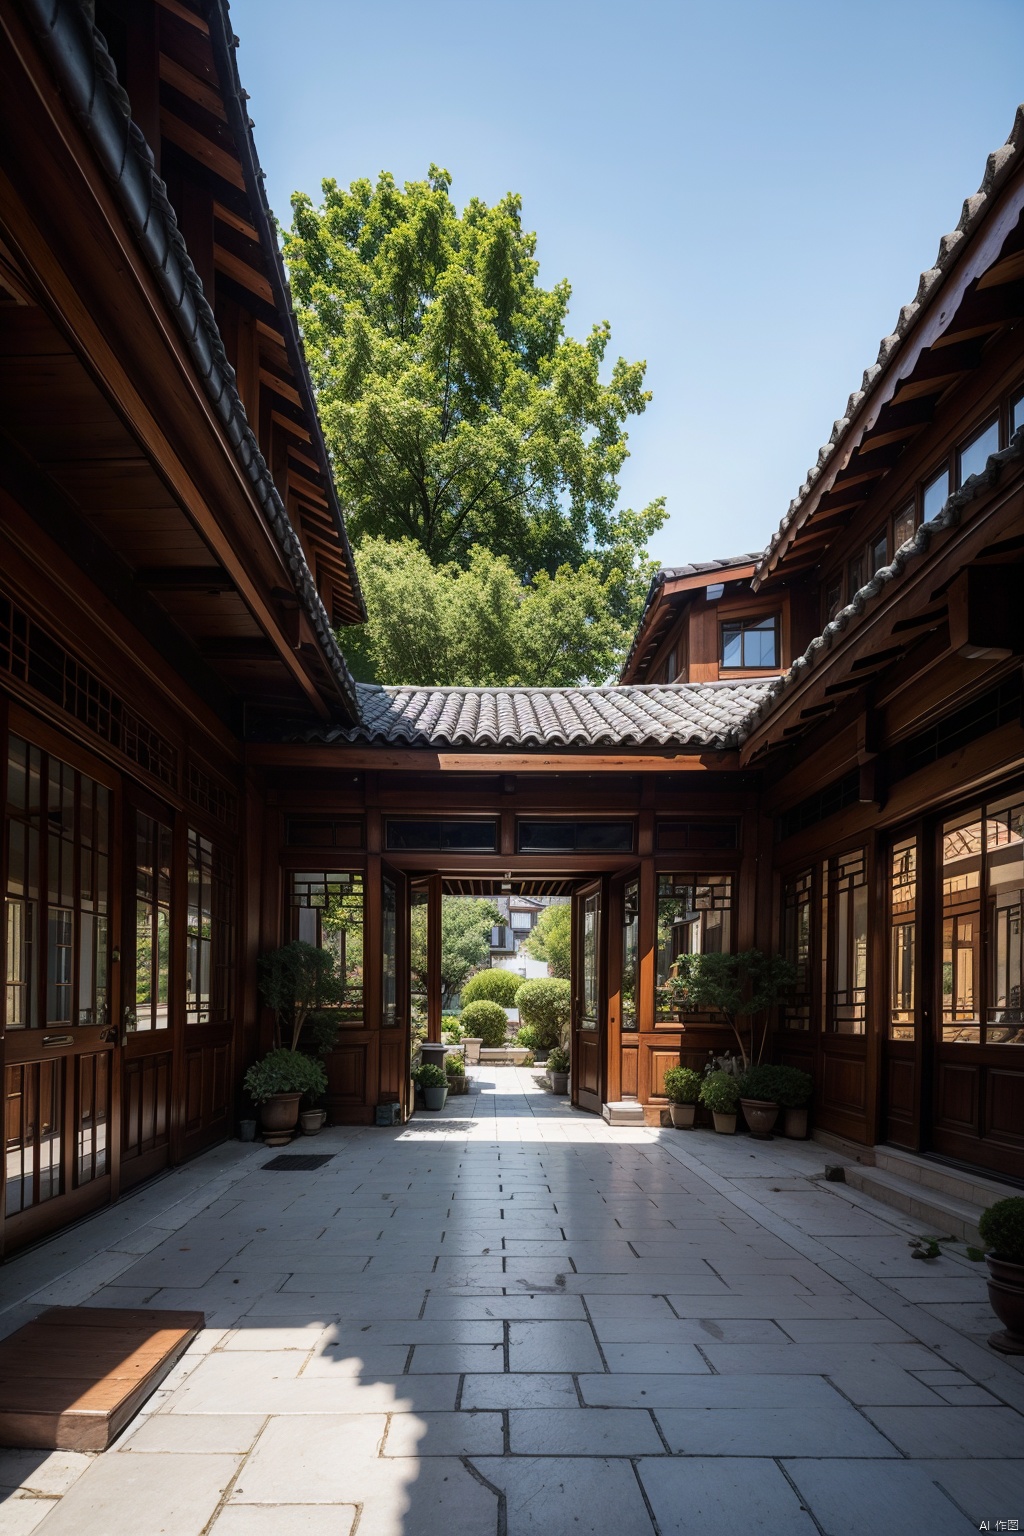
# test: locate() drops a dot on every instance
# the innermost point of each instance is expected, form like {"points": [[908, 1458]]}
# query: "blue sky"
{"points": [[746, 191]]}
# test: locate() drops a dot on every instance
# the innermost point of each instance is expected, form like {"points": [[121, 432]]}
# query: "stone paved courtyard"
{"points": [[511, 1319]]}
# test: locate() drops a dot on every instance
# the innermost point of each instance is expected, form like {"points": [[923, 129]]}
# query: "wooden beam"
{"points": [[342, 755], [189, 85], [201, 148], [233, 266]]}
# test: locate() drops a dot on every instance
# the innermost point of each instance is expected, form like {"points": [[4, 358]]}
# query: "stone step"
{"points": [[961, 1184], [947, 1214], [624, 1112]]}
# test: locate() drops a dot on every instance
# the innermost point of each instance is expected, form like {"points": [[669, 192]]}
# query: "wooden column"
{"points": [[434, 958]]}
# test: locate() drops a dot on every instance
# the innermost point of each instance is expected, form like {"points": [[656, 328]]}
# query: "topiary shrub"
{"points": [[495, 986], [719, 1093], [760, 1083], [527, 1036], [429, 1075], [1002, 1230], [451, 1029], [682, 1085], [545, 1005], [485, 1021]]}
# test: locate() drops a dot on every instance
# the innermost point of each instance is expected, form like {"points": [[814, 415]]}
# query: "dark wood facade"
{"points": [[182, 767]]}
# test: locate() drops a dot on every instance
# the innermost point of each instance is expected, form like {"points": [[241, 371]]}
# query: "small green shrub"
{"points": [[430, 1076], [1002, 1229], [682, 1085], [545, 1005], [527, 1035], [485, 1021], [285, 1071], [793, 1087], [451, 1029], [719, 1093], [559, 1059], [494, 986], [455, 1065], [760, 1083]]}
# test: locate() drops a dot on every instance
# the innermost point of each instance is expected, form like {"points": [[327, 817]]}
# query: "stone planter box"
{"points": [[471, 1046], [503, 1056], [459, 1084]]}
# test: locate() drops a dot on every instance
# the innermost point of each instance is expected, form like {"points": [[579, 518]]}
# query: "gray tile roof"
{"points": [[997, 168], [703, 715], [702, 568]]}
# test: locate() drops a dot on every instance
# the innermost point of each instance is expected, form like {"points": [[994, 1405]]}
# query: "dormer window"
{"points": [[974, 455], [936, 494], [751, 643]]}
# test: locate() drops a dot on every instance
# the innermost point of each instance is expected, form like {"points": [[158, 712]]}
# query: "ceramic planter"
{"points": [[312, 1121], [725, 1125], [247, 1130], [795, 1123], [682, 1116], [559, 1082], [1006, 1293], [433, 1098], [279, 1116], [471, 1045], [760, 1115]]}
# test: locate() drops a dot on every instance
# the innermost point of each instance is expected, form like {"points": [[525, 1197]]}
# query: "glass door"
{"points": [[588, 1043], [150, 996]]}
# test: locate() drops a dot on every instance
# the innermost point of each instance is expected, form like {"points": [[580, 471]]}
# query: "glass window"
{"points": [[878, 552], [630, 955], [935, 496], [751, 642], [1004, 849], [327, 910], [962, 851], [855, 575], [574, 836], [210, 933], [833, 598], [152, 925], [389, 948], [904, 526], [1017, 415], [796, 947], [522, 919], [903, 940], [974, 455], [848, 903], [589, 938], [694, 918], [428, 836], [419, 964]]}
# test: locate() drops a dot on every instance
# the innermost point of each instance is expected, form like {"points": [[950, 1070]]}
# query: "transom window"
{"points": [[574, 836], [440, 836], [752, 642]]}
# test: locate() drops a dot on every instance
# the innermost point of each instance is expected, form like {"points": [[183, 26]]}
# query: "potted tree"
{"points": [[743, 988], [682, 1089], [434, 1082], [719, 1093], [758, 1088], [301, 983], [1002, 1231], [793, 1090], [558, 1069], [277, 1084]]}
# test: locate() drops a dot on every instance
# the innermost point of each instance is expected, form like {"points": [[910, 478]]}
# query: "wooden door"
{"points": [[393, 1033], [151, 939], [588, 1001], [903, 1018], [60, 1042], [205, 1087]]}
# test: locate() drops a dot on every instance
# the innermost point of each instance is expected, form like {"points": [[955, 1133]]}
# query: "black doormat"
{"points": [[297, 1162]]}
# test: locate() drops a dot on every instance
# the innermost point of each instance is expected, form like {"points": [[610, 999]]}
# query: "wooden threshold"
{"points": [[73, 1378]]}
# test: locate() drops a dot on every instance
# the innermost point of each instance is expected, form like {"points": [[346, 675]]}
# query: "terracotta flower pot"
{"points": [[279, 1116], [760, 1115], [1006, 1293], [725, 1125], [682, 1116], [795, 1123], [312, 1121]]}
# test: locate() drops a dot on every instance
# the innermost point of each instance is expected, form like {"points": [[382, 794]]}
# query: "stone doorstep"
{"points": [[944, 1212], [959, 1183], [624, 1112]]}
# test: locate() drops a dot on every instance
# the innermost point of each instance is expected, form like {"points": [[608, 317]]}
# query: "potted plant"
{"points": [[558, 1069], [793, 1093], [758, 1088], [277, 1083], [455, 1068], [1002, 1231], [434, 1083], [682, 1089], [719, 1093]]}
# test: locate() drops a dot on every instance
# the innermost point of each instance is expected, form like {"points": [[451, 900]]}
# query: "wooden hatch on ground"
{"points": [[73, 1378]]}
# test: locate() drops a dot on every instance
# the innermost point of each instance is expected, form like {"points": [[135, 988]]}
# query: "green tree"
{"points": [[466, 925], [551, 940], [457, 410], [449, 626]]}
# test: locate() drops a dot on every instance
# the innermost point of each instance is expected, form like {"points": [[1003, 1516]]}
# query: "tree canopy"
{"points": [[551, 940], [466, 925], [459, 413]]}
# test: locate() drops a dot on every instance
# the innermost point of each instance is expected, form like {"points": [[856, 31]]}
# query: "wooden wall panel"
{"points": [[1004, 1105], [347, 1074], [629, 1058], [844, 1084], [956, 1096]]}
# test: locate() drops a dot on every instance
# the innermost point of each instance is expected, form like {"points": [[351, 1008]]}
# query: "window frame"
{"points": [[749, 622]]}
